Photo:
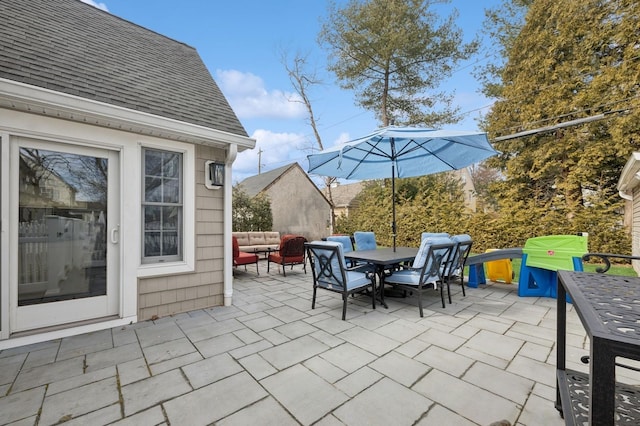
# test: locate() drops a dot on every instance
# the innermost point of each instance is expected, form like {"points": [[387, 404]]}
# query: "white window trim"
{"points": [[187, 264]]}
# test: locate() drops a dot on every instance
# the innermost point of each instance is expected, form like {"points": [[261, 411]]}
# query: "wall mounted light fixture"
{"points": [[213, 175]]}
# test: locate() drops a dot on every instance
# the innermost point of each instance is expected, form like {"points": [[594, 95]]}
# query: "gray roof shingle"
{"points": [[254, 185], [74, 48]]}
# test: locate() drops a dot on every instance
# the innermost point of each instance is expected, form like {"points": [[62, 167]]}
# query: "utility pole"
{"points": [[259, 160]]}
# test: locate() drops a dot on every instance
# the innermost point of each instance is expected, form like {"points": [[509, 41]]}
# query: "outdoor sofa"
{"points": [[258, 241]]}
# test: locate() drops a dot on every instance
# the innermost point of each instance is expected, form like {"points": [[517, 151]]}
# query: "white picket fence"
{"points": [[51, 247], [32, 254]]}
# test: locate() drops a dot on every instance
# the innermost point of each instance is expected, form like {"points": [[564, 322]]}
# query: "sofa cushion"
{"points": [[272, 238], [257, 239], [242, 237]]}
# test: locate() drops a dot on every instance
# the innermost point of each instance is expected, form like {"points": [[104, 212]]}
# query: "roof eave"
{"points": [[37, 100], [629, 178]]}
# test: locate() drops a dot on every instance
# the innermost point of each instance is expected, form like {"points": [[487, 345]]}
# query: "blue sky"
{"points": [[241, 43]]}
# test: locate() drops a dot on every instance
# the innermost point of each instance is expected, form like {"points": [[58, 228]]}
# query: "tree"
{"points": [[570, 60], [502, 25], [302, 80], [434, 203], [250, 214], [393, 54], [483, 178]]}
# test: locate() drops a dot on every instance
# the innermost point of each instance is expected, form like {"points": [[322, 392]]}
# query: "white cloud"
{"points": [[249, 98], [342, 138], [102, 6], [278, 149]]}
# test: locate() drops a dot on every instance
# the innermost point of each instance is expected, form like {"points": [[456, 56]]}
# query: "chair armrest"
{"points": [[605, 259]]}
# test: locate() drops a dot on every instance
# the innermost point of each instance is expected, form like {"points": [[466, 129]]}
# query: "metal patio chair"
{"points": [[427, 270], [330, 273]]}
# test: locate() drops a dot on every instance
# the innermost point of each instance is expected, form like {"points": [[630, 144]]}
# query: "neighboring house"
{"points": [[343, 197], [468, 188], [297, 205], [629, 189], [106, 129]]}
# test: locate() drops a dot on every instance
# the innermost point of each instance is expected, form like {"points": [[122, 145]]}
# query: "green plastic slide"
{"points": [[554, 252]]}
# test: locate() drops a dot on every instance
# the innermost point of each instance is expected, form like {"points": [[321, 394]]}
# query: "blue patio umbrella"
{"points": [[392, 152]]}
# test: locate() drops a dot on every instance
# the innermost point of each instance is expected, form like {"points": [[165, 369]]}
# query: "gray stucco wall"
{"points": [[298, 207]]}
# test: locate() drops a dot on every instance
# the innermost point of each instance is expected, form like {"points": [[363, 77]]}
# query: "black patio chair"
{"points": [[427, 270], [454, 271], [330, 273]]}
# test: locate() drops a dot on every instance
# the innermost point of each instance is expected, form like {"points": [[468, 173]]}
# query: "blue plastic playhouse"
{"points": [[542, 257]]}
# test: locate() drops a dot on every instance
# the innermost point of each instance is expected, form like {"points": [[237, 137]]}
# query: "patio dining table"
{"points": [[382, 259], [608, 307]]}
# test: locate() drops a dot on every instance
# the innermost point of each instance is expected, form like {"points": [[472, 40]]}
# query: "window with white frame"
{"points": [[162, 206]]}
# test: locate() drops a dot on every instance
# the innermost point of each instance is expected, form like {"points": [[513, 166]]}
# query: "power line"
{"points": [[554, 127], [573, 113]]}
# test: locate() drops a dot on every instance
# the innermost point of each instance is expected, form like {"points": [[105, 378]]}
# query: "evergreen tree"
{"points": [[433, 203], [393, 54], [250, 214], [571, 60]]}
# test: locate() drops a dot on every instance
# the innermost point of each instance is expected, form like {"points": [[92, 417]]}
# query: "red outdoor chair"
{"points": [[242, 258], [291, 252]]}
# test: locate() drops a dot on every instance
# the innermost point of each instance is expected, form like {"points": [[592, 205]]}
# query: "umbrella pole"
{"points": [[393, 204]]}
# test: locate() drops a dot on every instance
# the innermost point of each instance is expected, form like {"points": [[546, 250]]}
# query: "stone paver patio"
{"points": [[270, 359]]}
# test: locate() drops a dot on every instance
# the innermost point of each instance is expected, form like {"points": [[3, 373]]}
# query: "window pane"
{"points": [[152, 218], [152, 163], [170, 244], [172, 165], [152, 190], [171, 191], [171, 218], [152, 244]]}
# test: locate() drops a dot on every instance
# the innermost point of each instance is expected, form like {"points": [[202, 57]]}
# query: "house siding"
{"points": [[57, 89], [635, 228], [204, 288]]}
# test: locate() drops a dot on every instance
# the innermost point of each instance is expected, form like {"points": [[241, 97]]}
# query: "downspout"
{"points": [[232, 152], [625, 195]]}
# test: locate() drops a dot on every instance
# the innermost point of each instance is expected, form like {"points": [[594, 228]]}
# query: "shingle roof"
{"points": [[256, 184], [74, 48], [344, 194]]}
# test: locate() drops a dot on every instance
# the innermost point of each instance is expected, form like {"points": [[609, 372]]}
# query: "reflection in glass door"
{"points": [[64, 217]]}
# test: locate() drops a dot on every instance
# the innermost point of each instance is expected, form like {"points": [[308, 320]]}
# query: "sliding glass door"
{"points": [[66, 259]]}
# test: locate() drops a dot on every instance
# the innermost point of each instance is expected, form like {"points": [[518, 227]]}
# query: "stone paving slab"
{"points": [[114, 356], [400, 368], [465, 399], [348, 357], [266, 412], [211, 370], [385, 403], [215, 401], [293, 352], [444, 360], [78, 401], [304, 394], [146, 393], [48, 373], [85, 343], [105, 415], [81, 380], [21, 405], [271, 359]]}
